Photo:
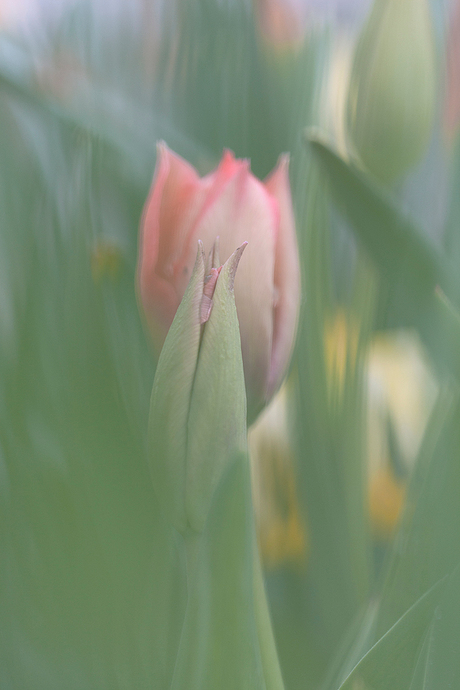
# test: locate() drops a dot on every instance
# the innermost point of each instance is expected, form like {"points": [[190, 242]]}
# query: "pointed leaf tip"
{"points": [[232, 264], [201, 249]]}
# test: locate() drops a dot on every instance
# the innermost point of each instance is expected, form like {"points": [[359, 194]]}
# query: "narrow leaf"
{"points": [[409, 265], [391, 662]]}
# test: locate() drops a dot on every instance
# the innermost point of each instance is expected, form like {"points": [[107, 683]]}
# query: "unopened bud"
{"points": [[392, 88], [197, 420]]}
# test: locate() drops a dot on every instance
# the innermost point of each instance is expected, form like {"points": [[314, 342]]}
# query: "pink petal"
{"points": [[287, 277], [216, 181], [452, 106], [168, 216], [242, 210], [183, 231]]}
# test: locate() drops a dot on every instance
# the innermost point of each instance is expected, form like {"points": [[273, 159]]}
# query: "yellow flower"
{"points": [[281, 530], [401, 390], [340, 350], [401, 393], [106, 261], [386, 501]]}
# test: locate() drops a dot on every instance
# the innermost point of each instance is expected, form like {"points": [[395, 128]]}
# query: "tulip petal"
{"points": [[452, 104], [176, 195], [287, 277], [244, 211]]}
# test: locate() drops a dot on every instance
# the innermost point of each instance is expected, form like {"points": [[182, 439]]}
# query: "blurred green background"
{"points": [[356, 466]]}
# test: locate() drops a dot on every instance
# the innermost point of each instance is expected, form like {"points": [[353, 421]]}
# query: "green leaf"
{"points": [[442, 665], [418, 284], [216, 425], [329, 428], [390, 663], [198, 409], [409, 266], [171, 401], [219, 646]]}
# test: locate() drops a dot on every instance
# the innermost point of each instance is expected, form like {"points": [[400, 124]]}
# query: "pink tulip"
{"points": [[229, 203], [282, 23], [452, 100]]}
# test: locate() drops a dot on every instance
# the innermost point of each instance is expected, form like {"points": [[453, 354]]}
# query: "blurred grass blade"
{"points": [[426, 548], [442, 664], [391, 662], [329, 424], [408, 264]]}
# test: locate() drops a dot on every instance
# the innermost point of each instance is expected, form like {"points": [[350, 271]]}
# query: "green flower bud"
{"points": [[197, 422], [391, 94]]}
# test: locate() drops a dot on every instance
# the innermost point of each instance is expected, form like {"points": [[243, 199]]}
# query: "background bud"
{"points": [[392, 87]]}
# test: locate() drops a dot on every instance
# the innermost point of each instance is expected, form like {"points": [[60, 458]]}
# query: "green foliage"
{"points": [[401, 644], [97, 589], [411, 269], [222, 643], [408, 265], [198, 408]]}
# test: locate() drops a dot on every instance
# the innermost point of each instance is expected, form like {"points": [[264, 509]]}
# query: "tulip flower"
{"points": [[452, 104], [231, 204], [281, 23]]}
